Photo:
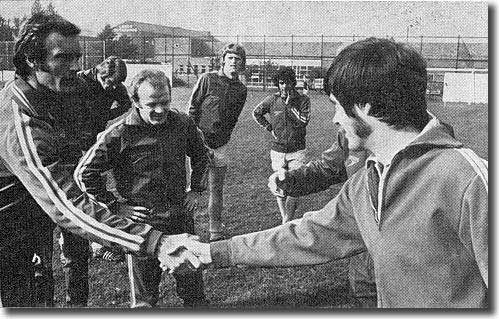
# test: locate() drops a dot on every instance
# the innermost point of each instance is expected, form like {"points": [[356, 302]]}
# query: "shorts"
{"points": [[220, 156], [287, 161]]}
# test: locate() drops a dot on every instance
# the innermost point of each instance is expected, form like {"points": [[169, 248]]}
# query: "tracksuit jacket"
{"points": [[215, 105], [287, 120], [428, 235], [33, 163], [148, 161]]}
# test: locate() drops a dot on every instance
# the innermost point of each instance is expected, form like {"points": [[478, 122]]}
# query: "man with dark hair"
{"points": [[419, 205], [215, 105], [288, 114], [145, 151], [37, 163]]}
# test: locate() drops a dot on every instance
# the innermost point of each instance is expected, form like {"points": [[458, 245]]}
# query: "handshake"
{"points": [[176, 253]]}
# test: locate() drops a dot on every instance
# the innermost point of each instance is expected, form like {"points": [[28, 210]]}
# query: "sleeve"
{"points": [[318, 237], [30, 148], [300, 114], [259, 113], [122, 101], [199, 154], [96, 161], [197, 97], [473, 229], [316, 176]]}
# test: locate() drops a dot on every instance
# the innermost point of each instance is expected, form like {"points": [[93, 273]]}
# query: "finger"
{"points": [[193, 260], [139, 215]]}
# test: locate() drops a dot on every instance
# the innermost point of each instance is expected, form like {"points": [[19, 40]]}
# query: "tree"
{"points": [[5, 30], [17, 24], [107, 33], [51, 9], [124, 48], [36, 7]]}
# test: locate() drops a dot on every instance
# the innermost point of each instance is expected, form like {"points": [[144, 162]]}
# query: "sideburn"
{"points": [[361, 127]]}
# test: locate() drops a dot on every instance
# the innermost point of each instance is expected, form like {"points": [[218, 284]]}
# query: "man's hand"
{"points": [[172, 254], [191, 200], [138, 214], [279, 175]]}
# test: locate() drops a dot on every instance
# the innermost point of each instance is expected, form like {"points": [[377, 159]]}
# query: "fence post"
{"points": [[322, 54], [421, 46], [264, 65], [292, 51], [173, 52], [457, 51]]}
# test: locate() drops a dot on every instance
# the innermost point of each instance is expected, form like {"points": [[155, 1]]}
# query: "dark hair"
{"points": [[236, 49], [390, 76], [31, 41], [286, 74], [113, 67], [156, 78]]}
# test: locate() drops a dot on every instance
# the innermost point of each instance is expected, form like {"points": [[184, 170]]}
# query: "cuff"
{"points": [[220, 253], [153, 242]]}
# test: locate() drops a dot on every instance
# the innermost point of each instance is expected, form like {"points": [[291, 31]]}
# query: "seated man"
{"points": [[146, 152]]}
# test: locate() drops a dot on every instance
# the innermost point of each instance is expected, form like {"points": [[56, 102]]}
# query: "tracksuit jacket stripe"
{"points": [[480, 166], [55, 193], [89, 155]]}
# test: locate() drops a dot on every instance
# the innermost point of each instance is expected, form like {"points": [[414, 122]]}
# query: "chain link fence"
{"points": [[309, 56]]}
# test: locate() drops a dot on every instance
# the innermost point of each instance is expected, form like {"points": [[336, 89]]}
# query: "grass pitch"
{"points": [[249, 207]]}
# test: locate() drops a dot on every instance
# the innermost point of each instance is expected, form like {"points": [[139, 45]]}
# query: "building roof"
{"points": [[129, 27]]}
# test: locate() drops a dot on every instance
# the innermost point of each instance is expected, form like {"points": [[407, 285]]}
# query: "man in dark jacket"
{"points": [[103, 98], [288, 114], [215, 105], [146, 152]]}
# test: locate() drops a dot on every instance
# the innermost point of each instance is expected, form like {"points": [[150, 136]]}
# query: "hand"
{"points": [[138, 214], [179, 262], [274, 189], [172, 254], [191, 201], [201, 250]]}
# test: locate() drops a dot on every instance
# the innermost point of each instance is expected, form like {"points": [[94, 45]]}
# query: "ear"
{"points": [[362, 111], [31, 63]]}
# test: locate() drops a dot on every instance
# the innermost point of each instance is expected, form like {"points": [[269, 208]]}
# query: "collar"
{"points": [[293, 94], [433, 135], [223, 75], [133, 119]]}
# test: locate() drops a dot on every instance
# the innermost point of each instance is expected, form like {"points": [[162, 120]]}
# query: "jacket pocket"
{"points": [[209, 114]]}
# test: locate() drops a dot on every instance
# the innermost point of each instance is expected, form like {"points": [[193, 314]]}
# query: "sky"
{"points": [[360, 18]]}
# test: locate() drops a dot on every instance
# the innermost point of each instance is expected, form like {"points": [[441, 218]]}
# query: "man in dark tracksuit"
{"points": [[215, 105], [146, 152], [104, 98], [288, 115]]}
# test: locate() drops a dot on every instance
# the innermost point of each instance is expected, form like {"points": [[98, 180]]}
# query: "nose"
{"points": [[159, 109]]}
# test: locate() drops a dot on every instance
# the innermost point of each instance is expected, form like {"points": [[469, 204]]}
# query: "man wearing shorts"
{"points": [[215, 105], [288, 113]]}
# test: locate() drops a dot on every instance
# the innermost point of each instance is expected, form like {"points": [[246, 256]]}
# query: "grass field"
{"points": [[249, 207]]}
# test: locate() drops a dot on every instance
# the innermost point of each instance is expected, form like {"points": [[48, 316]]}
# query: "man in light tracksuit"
{"points": [[36, 176], [419, 206]]}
